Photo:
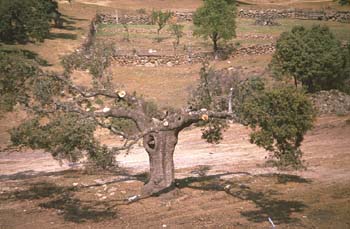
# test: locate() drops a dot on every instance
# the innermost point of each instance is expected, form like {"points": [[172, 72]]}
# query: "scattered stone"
{"points": [[266, 21], [106, 109], [99, 181], [75, 184], [331, 102], [166, 123], [133, 198], [150, 65]]}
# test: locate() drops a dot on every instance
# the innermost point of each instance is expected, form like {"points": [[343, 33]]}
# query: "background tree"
{"points": [[160, 18], [23, 21], [215, 20], [343, 2], [177, 31], [312, 56]]}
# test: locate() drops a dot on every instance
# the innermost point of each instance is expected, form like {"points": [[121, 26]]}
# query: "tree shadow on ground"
{"points": [[66, 36], [68, 24], [64, 201], [266, 202], [29, 174]]}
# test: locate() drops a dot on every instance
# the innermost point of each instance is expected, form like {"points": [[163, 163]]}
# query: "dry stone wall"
{"points": [[331, 102], [326, 15], [125, 58]]}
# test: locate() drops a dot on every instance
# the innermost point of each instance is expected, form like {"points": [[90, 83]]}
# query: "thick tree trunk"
{"points": [[160, 148]]}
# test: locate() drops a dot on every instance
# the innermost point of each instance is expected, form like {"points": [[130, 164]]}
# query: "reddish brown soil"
{"points": [[221, 186]]}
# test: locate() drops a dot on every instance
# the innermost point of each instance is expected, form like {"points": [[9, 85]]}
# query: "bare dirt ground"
{"points": [[217, 186]]}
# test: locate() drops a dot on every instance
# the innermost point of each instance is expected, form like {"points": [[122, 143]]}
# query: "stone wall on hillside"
{"points": [[331, 102], [154, 58], [325, 15]]}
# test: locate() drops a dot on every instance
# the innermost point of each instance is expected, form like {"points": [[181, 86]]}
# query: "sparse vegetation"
{"points": [[177, 31], [160, 18]]}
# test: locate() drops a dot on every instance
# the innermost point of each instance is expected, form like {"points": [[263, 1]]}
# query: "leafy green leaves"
{"points": [[279, 118], [16, 67], [215, 20], [65, 136], [23, 21], [313, 57]]}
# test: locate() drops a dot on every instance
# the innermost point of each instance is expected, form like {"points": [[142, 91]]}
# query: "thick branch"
{"points": [[102, 92]]}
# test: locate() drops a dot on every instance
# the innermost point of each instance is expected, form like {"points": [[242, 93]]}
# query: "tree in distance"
{"points": [[342, 2], [312, 57], [177, 31], [160, 18], [23, 21], [216, 20]]}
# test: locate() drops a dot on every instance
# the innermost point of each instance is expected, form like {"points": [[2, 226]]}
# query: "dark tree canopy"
{"points": [[29, 20], [313, 57], [216, 20], [343, 2]]}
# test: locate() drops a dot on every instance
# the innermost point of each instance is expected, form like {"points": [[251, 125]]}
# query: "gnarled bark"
{"points": [[160, 147]]}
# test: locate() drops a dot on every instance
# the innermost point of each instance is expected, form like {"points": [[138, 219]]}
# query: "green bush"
{"points": [[65, 135], [313, 57], [16, 67], [343, 2], [280, 118], [96, 59]]}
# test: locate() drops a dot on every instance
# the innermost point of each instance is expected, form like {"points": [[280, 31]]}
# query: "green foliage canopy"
{"points": [[215, 20], [280, 118], [29, 20], [343, 2], [18, 71], [313, 57]]}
